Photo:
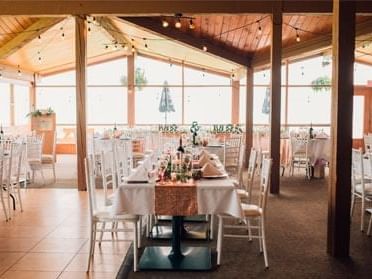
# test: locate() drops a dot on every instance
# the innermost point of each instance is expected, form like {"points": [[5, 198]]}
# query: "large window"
{"points": [[4, 104], [21, 104], [358, 117], [362, 74]]}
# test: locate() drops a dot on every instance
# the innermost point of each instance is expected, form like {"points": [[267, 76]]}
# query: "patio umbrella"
{"points": [[166, 103], [266, 102]]}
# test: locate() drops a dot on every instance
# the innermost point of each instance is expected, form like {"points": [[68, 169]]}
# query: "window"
{"points": [[208, 105], [305, 106], [307, 71], [203, 77], [65, 78], [362, 74], [149, 101], [107, 105], [109, 73], [358, 117], [21, 104], [4, 104], [242, 103]]}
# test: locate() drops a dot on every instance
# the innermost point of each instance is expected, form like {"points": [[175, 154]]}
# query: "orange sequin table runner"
{"points": [[176, 199]]}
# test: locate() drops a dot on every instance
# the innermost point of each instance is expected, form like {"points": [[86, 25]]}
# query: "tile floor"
{"points": [[50, 239]]}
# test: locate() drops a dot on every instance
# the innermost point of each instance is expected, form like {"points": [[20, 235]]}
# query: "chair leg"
{"points": [[9, 207], [3, 203], [211, 227], [19, 196], [260, 235], [249, 230], [92, 243], [100, 238], [139, 232], [262, 225], [54, 173], [135, 247], [369, 226], [42, 175], [362, 216], [219, 239]]}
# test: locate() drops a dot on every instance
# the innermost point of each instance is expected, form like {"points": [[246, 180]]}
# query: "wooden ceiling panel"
{"points": [[11, 25]]}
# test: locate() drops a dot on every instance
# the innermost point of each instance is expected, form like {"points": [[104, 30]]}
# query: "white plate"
{"points": [[216, 176]]}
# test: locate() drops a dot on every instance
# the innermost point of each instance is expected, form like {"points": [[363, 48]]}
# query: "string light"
{"points": [[164, 23], [146, 46], [39, 58], [125, 47], [259, 27], [298, 39], [19, 71], [178, 23], [39, 39], [191, 25], [63, 33], [133, 49], [205, 49]]}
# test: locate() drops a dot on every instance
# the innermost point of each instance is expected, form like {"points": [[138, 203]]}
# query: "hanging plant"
{"points": [[321, 83]]}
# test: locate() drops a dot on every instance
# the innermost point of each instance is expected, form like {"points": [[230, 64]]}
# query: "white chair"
{"points": [[245, 192], [11, 179], [367, 143], [231, 153], [251, 212], [299, 155], [104, 215], [2, 167], [361, 186], [108, 172], [34, 155], [48, 160]]}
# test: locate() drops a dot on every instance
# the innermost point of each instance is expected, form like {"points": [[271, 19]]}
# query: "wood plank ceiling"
{"points": [[244, 33]]}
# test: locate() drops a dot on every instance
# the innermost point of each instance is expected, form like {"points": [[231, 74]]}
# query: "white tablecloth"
{"points": [[214, 196], [319, 151]]}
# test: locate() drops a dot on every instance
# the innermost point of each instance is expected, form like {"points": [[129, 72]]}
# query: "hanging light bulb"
{"points": [[164, 23], [89, 29], [39, 60], [191, 24], [39, 39], [19, 73], [133, 49], [146, 46], [106, 46], [178, 23], [298, 39], [125, 47], [259, 28], [63, 33], [205, 48]]}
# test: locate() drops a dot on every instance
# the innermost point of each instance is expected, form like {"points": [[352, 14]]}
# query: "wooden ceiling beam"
{"points": [[11, 73], [310, 47], [27, 35], [230, 54], [154, 7]]}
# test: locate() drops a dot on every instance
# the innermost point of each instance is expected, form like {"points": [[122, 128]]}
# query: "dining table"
{"points": [[210, 196]]}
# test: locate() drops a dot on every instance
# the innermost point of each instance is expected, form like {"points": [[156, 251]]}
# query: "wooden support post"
{"points": [[249, 114], [286, 94], [276, 64], [131, 91], [11, 104], [235, 88], [81, 128], [183, 92], [339, 195]]}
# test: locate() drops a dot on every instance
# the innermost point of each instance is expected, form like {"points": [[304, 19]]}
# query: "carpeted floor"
{"points": [[296, 241]]}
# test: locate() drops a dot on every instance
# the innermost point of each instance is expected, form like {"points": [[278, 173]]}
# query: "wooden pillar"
{"points": [[81, 128], [11, 104], [286, 94], [276, 59], [235, 87], [249, 114], [131, 91], [183, 92], [343, 42]]}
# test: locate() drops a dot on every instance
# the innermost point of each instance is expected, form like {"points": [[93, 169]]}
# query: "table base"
{"points": [[194, 258], [197, 218], [165, 232]]}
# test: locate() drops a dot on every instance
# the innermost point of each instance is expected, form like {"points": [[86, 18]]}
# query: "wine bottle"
{"points": [[1, 132], [180, 148]]}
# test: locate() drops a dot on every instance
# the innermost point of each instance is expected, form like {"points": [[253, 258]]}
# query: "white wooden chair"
{"points": [[102, 215], [299, 155], [108, 171], [245, 192], [367, 143], [251, 212], [231, 153], [2, 192], [48, 160], [34, 155], [360, 181]]}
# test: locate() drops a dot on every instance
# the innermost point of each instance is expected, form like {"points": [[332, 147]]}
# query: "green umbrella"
{"points": [[166, 103]]}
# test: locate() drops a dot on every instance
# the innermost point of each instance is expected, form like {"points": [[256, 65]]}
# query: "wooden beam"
{"points": [[235, 88], [131, 91], [68, 7], [81, 69], [276, 64], [27, 35], [230, 54], [310, 47], [249, 114], [113, 32], [341, 128]]}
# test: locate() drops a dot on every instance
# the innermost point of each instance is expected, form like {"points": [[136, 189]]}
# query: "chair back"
{"points": [[252, 163], [264, 183], [122, 161], [241, 164], [5, 145], [91, 184], [108, 173], [2, 164], [34, 148], [14, 163], [368, 143], [299, 146], [232, 150], [357, 170]]}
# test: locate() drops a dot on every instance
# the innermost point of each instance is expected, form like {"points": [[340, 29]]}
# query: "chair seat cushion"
{"points": [[105, 213], [367, 188], [47, 159], [251, 210], [242, 194]]}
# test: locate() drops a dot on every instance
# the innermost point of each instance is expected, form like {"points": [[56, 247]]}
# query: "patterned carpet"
{"points": [[296, 241]]}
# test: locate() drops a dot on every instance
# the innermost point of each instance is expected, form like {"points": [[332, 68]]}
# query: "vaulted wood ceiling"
{"points": [[232, 37]]}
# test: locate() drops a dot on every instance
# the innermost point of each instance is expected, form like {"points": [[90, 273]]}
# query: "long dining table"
{"points": [[205, 196]]}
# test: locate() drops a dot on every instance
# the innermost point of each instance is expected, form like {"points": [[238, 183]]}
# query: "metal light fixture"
{"points": [[165, 23], [191, 24], [178, 24]]}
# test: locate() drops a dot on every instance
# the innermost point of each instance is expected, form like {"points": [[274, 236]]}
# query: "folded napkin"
{"points": [[211, 170], [139, 175], [206, 159], [204, 153]]}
